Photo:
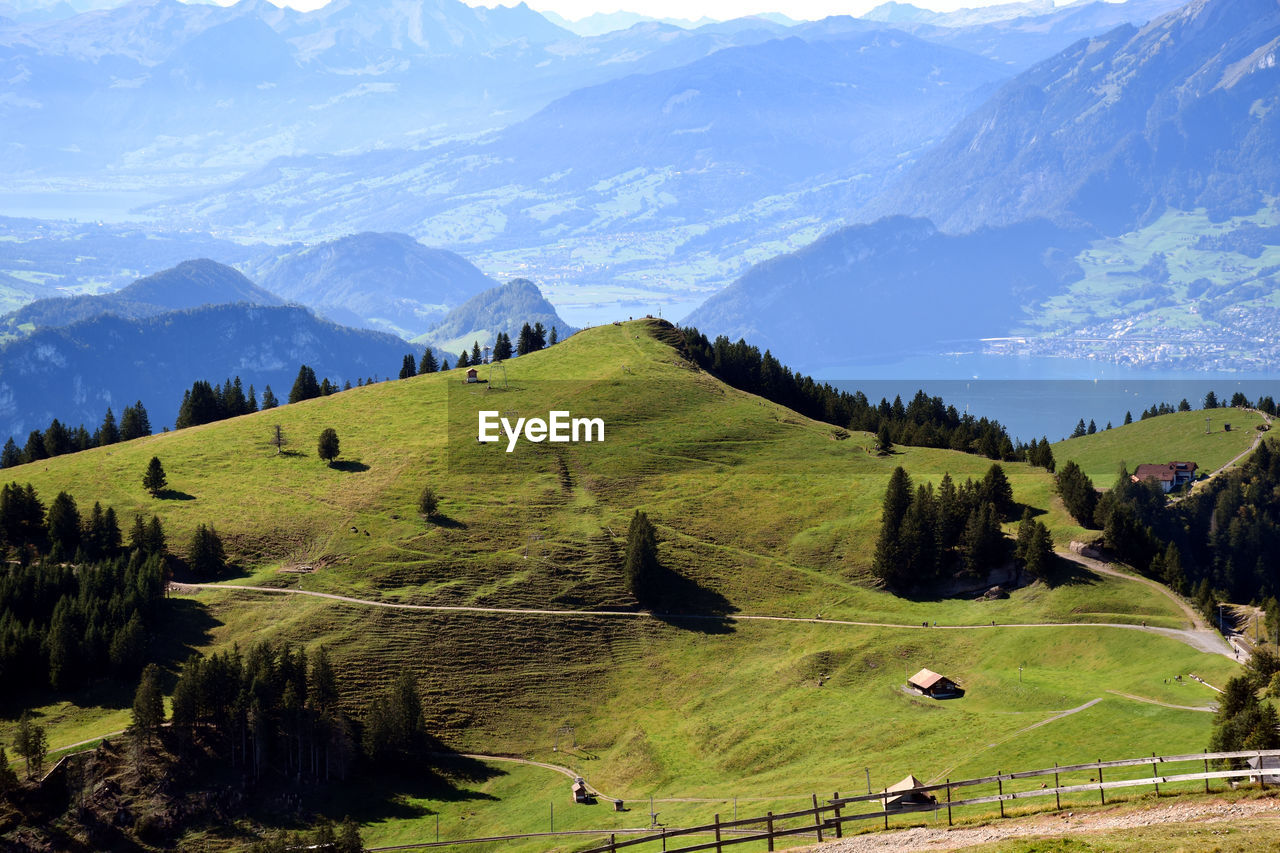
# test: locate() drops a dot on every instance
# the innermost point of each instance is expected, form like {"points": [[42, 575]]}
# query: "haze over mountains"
{"points": [[646, 169]]}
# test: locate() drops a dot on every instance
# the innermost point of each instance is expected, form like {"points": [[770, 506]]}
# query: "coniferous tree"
{"points": [[887, 563], [108, 433], [33, 450], [1128, 418], [11, 455], [884, 444], [205, 555], [1080, 429], [148, 704], [305, 387], [444, 364], [326, 387], [251, 403], [64, 524], [641, 567], [996, 489], [1093, 427], [502, 347], [8, 779], [1210, 401], [428, 363], [525, 342], [57, 440], [555, 337], [349, 840], [155, 542], [154, 479], [31, 743], [428, 502], [408, 368], [1184, 405], [539, 336], [134, 422], [327, 447], [269, 400], [476, 357], [463, 361], [1077, 492]]}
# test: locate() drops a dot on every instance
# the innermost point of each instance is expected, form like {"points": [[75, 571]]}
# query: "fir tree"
{"points": [[134, 422], [462, 359], [408, 369], [31, 743], [1077, 492], [148, 704], [327, 447], [502, 347], [269, 400], [205, 554], [476, 357], [154, 479], [428, 363], [64, 524], [305, 387], [555, 337], [11, 455], [108, 433], [887, 563], [1128, 418], [33, 450], [428, 502], [641, 566]]}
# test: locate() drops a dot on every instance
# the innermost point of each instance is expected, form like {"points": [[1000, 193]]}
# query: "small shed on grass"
{"points": [[932, 684], [1270, 767], [473, 375], [906, 795], [580, 792]]}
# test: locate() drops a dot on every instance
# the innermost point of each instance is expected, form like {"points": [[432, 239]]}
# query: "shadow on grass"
{"points": [[291, 454], [687, 604], [1069, 573], [350, 466], [174, 495], [448, 523], [393, 795], [182, 628]]}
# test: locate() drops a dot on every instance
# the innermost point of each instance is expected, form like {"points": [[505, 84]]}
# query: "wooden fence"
{"points": [[827, 819]]}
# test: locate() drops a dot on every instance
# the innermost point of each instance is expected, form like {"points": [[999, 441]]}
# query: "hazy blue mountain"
{"points": [[190, 284], [895, 13], [1111, 131], [740, 155], [895, 287], [71, 258], [505, 308], [389, 282], [600, 23], [75, 372]]}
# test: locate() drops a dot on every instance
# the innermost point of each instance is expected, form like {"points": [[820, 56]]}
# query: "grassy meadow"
{"points": [[760, 511]]}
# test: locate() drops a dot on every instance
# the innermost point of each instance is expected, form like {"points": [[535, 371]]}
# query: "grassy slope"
{"points": [[762, 510], [1179, 436]]}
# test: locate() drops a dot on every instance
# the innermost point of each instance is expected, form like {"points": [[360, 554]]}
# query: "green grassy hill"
{"points": [[1179, 436], [761, 511]]}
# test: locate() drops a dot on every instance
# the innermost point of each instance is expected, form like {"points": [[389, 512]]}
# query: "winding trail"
{"points": [[1201, 637], [1208, 709]]}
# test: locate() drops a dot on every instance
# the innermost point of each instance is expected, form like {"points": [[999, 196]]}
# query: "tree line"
{"points": [[59, 439], [924, 422], [62, 624], [531, 339], [1217, 544], [927, 534]]}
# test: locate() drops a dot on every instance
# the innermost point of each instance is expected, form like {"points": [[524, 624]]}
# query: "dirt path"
{"points": [[1199, 636], [945, 772], [1054, 825], [1202, 641], [1209, 709], [563, 771]]}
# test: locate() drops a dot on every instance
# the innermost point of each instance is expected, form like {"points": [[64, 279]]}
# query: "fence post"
{"points": [[1206, 770], [836, 811], [949, 801], [612, 848], [817, 817], [884, 803], [1000, 791], [769, 820], [1155, 775], [718, 847], [1101, 790], [1262, 775], [1057, 795]]}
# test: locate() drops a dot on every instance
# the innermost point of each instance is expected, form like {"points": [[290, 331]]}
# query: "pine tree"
{"points": [[327, 448], [134, 422], [269, 400], [1093, 427], [408, 369], [33, 450], [205, 554], [11, 455], [1128, 418], [148, 704], [57, 441], [502, 347], [305, 387], [428, 364], [155, 542], [1077, 492], [641, 566], [252, 402], [349, 840], [462, 359], [8, 779], [525, 343], [278, 441], [1080, 429], [884, 444], [476, 357], [31, 743], [555, 337], [888, 563], [428, 502], [64, 524], [1210, 401], [108, 433], [539, 336], [995, 488], [154, 479]]}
